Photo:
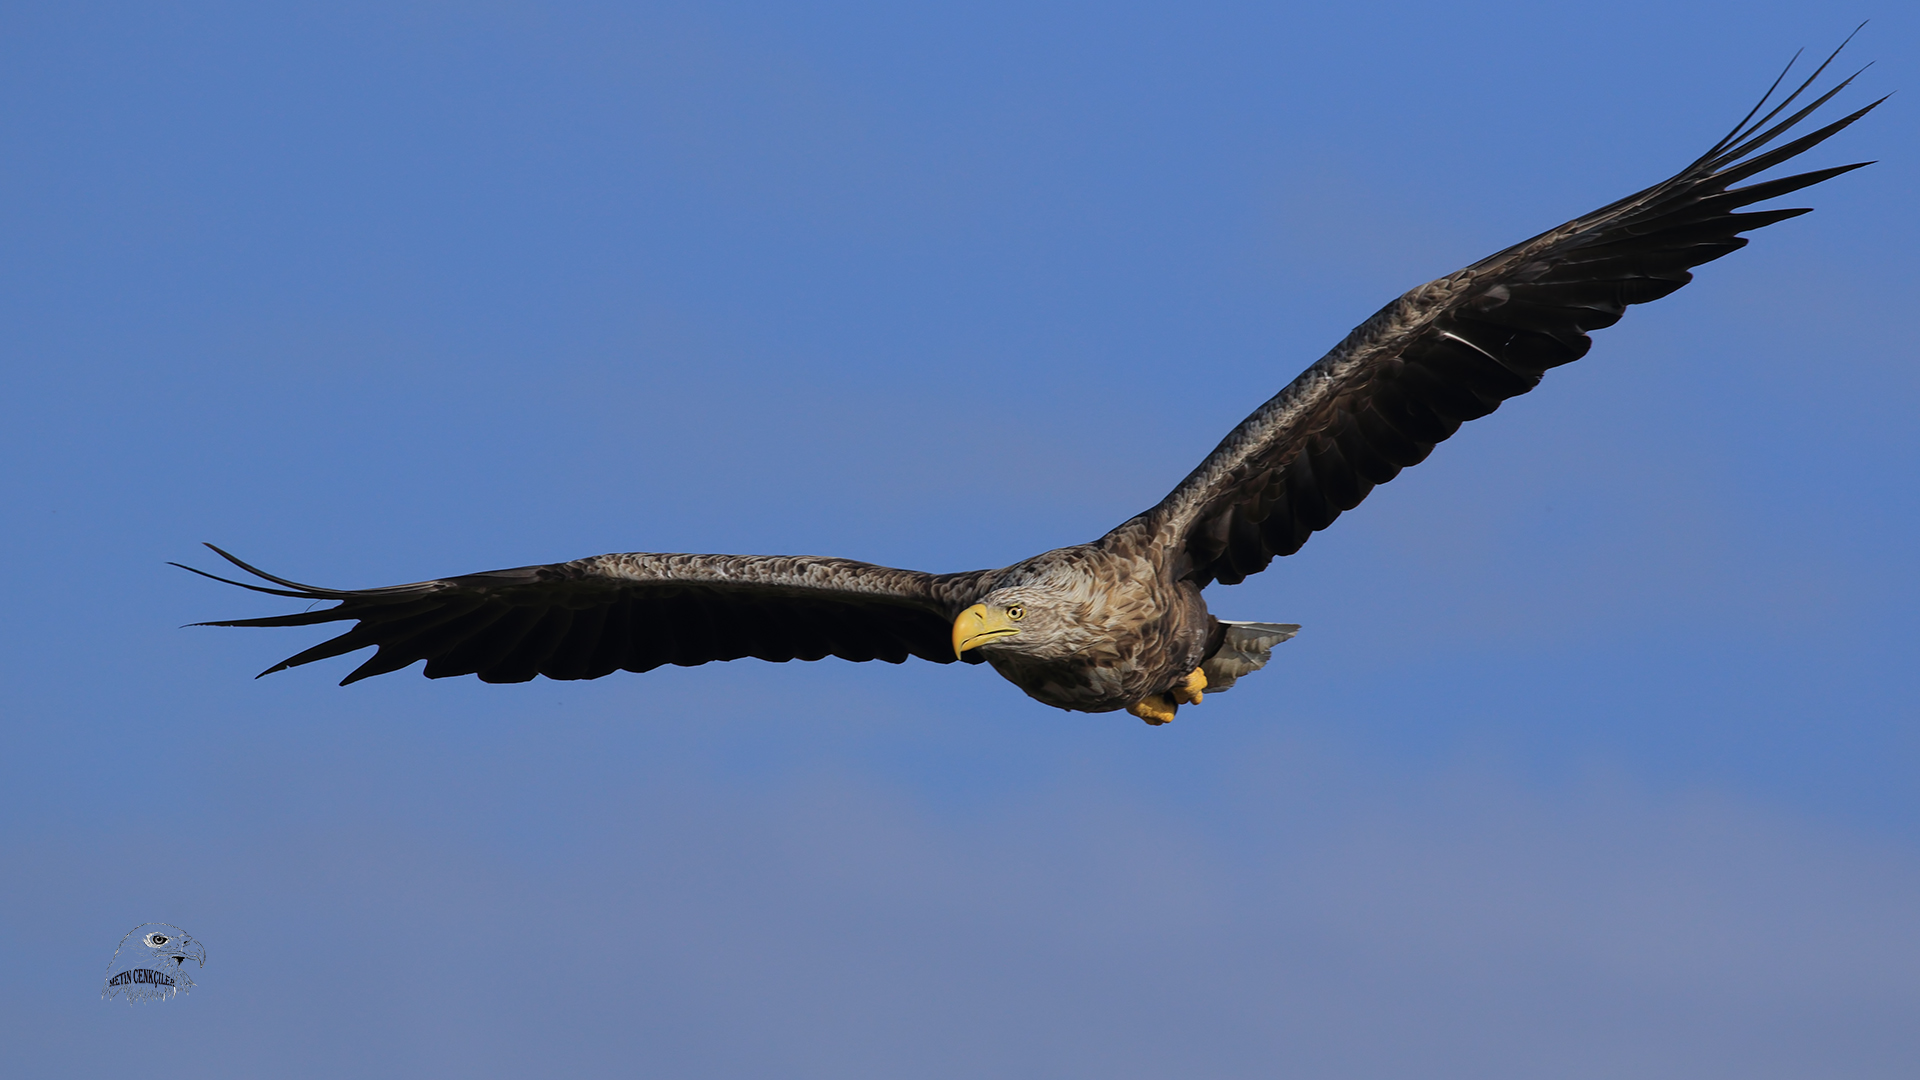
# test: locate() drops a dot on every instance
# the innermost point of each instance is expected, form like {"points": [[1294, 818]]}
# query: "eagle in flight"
{"points": [[1119, 623]]}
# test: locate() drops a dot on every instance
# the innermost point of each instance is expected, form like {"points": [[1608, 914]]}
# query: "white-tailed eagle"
{"points": [[1118, 623]]}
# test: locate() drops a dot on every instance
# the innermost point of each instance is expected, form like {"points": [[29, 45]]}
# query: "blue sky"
{"points": [[1596, 756]]}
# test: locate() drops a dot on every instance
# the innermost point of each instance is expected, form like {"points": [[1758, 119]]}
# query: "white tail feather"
{"points": [[1248, 647]]}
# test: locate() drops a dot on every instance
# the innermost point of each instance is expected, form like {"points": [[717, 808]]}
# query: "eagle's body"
{"points": [[1119, 623], [1129, 625]]}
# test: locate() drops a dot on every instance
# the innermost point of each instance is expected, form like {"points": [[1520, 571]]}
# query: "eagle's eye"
{"points": [[157, 940], [1017, 612]]}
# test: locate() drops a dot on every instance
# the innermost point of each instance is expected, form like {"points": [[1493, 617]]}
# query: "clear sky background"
{"points": [[1597, 756]]}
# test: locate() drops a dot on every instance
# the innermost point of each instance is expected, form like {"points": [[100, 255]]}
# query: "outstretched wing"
{"points": [[1453, 349], [591, 617]]}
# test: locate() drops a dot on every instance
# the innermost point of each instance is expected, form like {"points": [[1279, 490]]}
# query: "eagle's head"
{"points": [[1036, 619]]}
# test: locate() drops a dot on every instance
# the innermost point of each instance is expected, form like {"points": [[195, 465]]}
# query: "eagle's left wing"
{"points": [[1453, 349], [635, 611]]}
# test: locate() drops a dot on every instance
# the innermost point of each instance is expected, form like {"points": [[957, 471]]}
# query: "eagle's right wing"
{"points": [[591, 617], [1454, 349]]}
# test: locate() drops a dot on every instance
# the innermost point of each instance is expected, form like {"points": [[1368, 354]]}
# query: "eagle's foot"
{"points": [[1154, 709], [1188, 692]]}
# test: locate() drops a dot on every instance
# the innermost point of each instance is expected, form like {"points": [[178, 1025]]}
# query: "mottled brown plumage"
{"points": [[1120, 622]]}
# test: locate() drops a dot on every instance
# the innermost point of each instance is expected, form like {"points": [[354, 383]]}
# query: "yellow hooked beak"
{"points": [[978, 625]]}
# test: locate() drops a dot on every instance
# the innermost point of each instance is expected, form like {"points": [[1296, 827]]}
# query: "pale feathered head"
{"points": [[1043, 620]]}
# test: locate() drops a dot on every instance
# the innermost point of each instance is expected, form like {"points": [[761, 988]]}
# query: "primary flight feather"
{"points": [[1118, 623]]}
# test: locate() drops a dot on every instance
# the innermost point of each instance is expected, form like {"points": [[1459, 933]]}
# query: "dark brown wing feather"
{"points": [[1454, 349], [633, 612]]}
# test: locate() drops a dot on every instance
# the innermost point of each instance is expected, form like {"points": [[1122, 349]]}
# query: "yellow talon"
{"points": [[1154, 709], [1159, 708], [1188, 692]]}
